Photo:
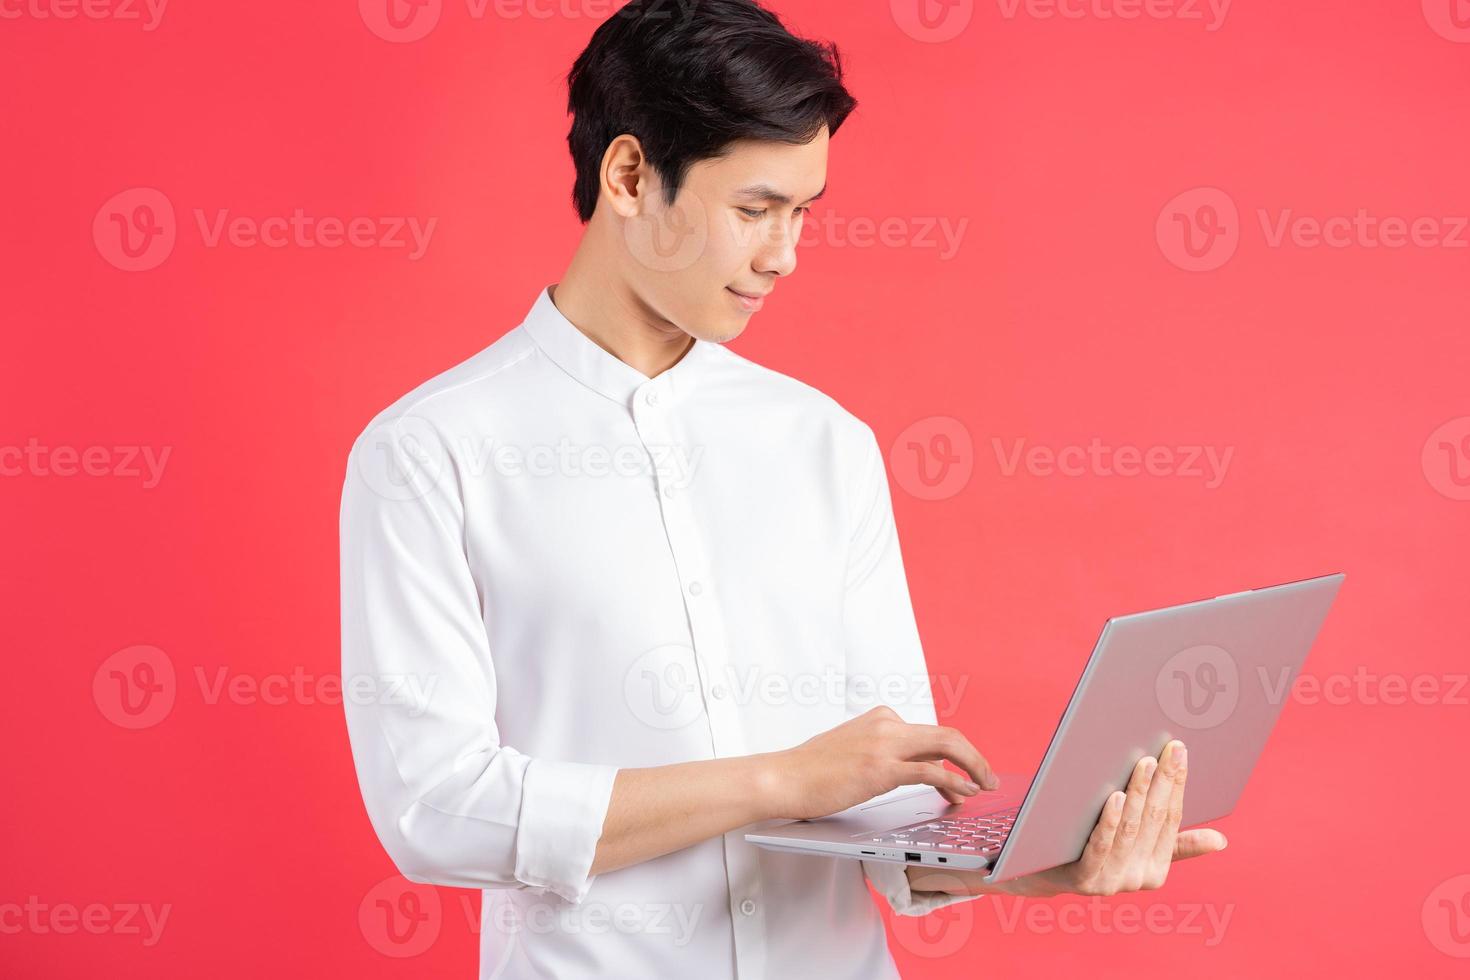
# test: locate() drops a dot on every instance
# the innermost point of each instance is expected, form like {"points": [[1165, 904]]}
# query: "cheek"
{"points": [[733, 242]]}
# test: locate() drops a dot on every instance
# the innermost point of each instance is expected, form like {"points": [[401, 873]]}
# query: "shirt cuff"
{"points": [[563, 805], [892, 881]]}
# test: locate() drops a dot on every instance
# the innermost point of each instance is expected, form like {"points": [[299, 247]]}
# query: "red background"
{"points": [[1060, 319]]}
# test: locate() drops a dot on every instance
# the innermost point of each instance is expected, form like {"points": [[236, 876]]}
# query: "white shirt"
{"points": [[554, 566]]}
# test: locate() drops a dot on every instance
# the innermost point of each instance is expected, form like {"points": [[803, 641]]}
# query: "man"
{"points": [[641, 591]]}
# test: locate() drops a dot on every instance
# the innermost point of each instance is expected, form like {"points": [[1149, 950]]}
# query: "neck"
{"points": [[608, 312]]}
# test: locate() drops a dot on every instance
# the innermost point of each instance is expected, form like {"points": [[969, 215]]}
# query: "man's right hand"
{"points": [[872, 754]]}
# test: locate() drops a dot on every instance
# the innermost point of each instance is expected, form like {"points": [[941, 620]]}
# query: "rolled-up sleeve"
{"points": [[450, 803], [885, 660]]}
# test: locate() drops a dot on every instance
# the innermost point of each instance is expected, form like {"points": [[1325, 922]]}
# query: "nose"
{"points": [[777, 248]]}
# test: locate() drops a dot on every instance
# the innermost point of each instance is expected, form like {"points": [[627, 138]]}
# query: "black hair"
{"points": [[687, 78]]}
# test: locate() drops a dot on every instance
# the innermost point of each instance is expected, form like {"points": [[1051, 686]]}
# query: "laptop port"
{"points": [[911, 856]]}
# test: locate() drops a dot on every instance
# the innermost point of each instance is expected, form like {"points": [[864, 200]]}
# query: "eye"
{"points": [[804, 210], [752, 212]]}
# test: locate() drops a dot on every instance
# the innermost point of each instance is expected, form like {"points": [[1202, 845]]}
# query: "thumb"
{"points": [[1193, 843]]}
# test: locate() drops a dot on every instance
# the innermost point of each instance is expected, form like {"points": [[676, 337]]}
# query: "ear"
{"points": [[626, 178]]}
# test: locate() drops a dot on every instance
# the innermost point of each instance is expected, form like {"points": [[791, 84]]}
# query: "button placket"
{"points": [[727, 733], [726, 727], [655, 428]]}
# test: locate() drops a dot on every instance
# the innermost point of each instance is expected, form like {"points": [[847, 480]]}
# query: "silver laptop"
{"points": [[1212, 673]]}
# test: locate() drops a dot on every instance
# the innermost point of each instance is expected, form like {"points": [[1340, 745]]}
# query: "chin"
{"points": [[726, 335]]}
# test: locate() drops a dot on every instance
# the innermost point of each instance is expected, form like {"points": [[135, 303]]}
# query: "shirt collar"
{"points": [[581, 357]]}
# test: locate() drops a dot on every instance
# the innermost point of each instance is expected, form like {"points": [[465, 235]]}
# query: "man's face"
{"points": [[732, 229]]}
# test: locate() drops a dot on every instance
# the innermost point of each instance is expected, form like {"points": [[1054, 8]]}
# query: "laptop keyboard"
{"points": [[985, 832]]}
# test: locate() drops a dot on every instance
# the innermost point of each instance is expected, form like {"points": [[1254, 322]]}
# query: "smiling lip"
{"points": [[750, 301]]}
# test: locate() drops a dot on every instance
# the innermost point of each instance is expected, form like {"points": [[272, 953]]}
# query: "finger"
{"points": [[1156, 804], [1193, 843], [1100, 841], [1132, 818], [1176, 767], [949, 795], [940, 742], [939, 777]]}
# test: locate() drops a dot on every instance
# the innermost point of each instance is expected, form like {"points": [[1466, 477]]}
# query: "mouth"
{"points": [[749, 302]]}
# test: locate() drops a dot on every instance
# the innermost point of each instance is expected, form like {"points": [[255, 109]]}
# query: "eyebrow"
{"points": [[765, 192]]}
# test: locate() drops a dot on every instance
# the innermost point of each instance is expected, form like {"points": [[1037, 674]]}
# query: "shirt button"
{"points": [[651, 398], [748, 907], [669, 490], [718, 691], [695, 588]]}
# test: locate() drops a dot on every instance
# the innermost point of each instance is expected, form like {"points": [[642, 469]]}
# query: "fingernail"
{"points": [[992, 782], [972, 787], [1148, 768], [1179, 754]]}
